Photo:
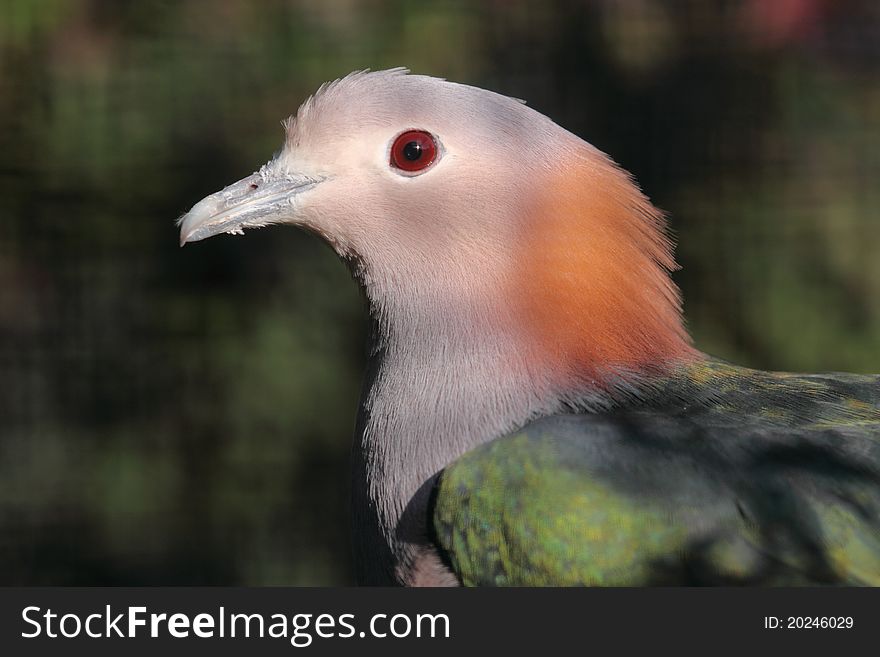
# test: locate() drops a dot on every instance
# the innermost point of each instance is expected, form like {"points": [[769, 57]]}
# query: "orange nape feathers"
{"points": [[592, 275]]}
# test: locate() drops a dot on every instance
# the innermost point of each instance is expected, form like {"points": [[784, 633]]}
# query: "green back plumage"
{"points": [[722, 476]]}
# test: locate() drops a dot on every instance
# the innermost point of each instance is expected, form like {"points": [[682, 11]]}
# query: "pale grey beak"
{"points": [[255, 201]]}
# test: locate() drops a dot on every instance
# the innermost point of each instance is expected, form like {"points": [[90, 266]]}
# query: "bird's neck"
{"points": [[424, 405], [432, 394]]}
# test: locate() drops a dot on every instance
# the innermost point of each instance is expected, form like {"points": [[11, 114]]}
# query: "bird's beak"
{"points": [[258, 200]]}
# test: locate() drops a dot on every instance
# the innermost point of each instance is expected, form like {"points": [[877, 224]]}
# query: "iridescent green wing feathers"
{"points": [[726, 476]]}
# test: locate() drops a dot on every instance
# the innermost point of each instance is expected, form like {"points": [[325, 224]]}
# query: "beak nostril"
{"points": [[253, 186]]}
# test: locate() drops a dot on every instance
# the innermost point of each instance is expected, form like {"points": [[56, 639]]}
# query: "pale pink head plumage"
{"points": [[520, 228]]}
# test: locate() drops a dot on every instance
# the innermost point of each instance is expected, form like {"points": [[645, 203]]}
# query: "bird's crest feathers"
{"points": [[594, 272]]}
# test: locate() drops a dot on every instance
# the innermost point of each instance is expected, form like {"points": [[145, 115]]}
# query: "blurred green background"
{"points": [[175, 416]]}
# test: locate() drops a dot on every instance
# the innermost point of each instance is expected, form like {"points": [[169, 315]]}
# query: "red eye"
{"points": [[413, 150]]}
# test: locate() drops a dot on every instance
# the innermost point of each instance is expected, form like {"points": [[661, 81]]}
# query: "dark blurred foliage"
{"points": [[179, 416]]}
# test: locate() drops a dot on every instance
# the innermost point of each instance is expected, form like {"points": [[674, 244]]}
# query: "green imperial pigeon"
{"points": [[534, 412]]}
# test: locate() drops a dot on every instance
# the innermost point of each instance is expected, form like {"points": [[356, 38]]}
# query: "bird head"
{"points": [[466, 212]]}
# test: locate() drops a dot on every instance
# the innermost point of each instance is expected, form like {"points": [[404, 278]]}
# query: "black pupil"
{"points": [[412, 151]]}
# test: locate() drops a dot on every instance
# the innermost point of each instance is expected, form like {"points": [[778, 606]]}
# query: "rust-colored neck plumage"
{"points": [[593, 278]]}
